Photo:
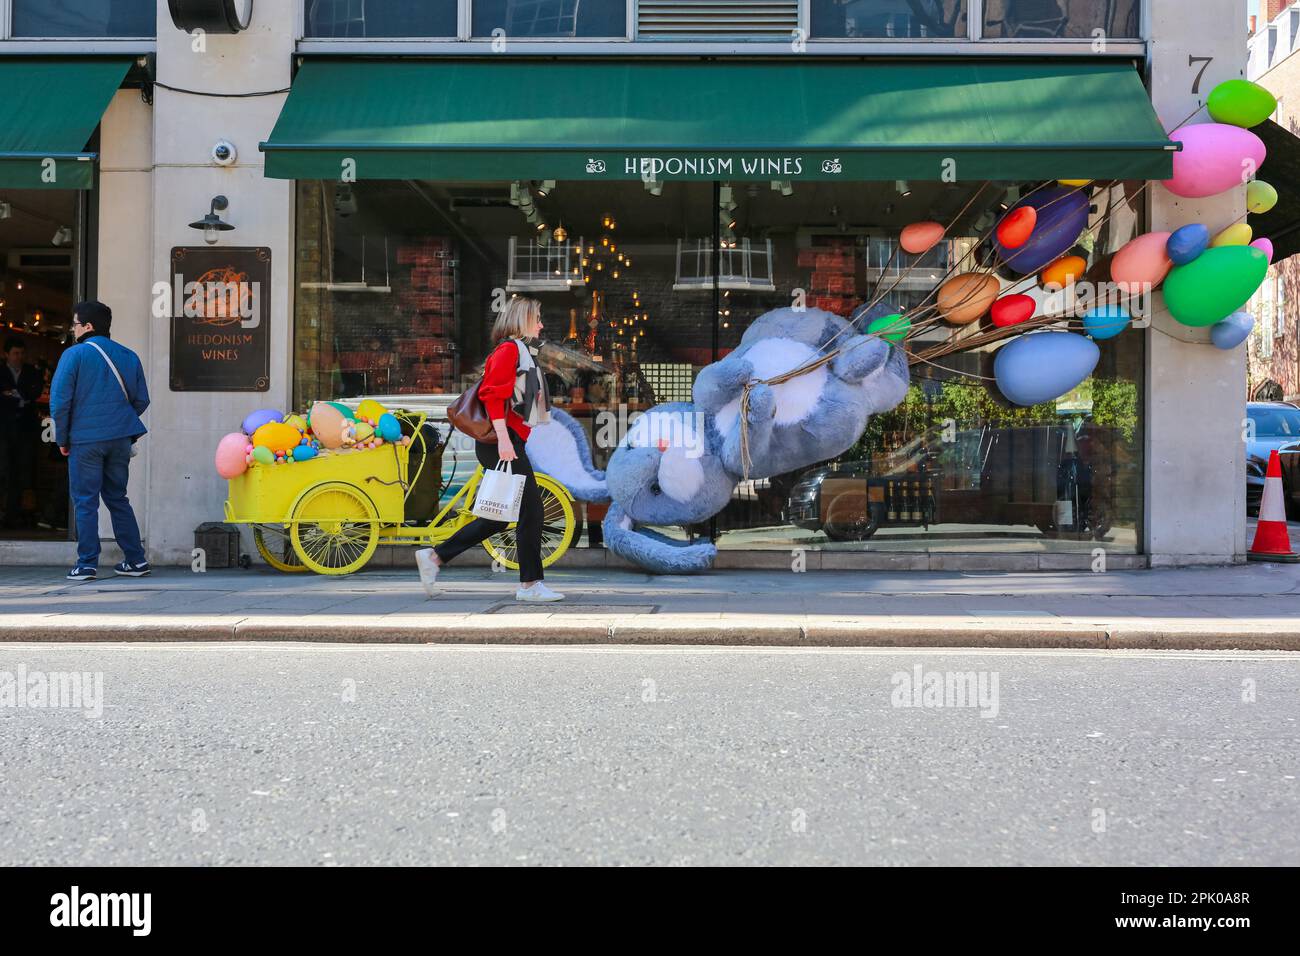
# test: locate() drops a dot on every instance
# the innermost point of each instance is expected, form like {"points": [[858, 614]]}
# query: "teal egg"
{"points": [[303, 452], [1106, 321], [388, 428]]}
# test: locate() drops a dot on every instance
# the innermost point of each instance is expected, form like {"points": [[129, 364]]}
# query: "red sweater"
{"points": [[497, 393]]}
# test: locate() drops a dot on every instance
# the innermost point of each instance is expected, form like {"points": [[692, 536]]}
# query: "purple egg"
{"points": [[1062, 215], [257, 419]]}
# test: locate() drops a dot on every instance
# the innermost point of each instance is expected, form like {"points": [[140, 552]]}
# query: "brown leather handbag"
{"points": [[469, 416]]}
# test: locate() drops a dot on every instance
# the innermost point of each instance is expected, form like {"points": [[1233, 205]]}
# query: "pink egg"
{"points": [[231, 458], [1266, 246], [920, 237], [1215, 157], [1142, 261]]}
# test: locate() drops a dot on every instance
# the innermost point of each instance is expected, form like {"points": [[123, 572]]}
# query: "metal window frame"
{"points": [[56, 44]]}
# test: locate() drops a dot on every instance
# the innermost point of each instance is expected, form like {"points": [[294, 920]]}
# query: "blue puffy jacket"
{"points": [[86, 401]]}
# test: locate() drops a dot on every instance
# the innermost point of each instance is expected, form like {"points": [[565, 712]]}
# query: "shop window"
{"points": [[1062, 19], [359, 19], [549, 18], [902, 19], [397, 283], [84, 18]]}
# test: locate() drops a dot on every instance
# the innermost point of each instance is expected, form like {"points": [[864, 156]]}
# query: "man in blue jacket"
{"points": [[96, 399]]}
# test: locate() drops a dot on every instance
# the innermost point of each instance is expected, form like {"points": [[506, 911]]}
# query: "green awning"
{"points": [[49, 110], [724, 119]]}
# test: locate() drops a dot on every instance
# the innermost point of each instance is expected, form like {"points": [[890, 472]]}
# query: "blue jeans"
{"points": [[99, 469]]}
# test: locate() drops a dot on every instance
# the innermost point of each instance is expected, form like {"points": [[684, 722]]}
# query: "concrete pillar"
{"points": [[183, 488], [1195, 455]]}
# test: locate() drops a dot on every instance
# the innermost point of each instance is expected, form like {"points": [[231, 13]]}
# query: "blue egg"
{"points": [[1232, 331], [303, 452], [1106, 321], [1186, 243], [388, 427], [1039, 366]]}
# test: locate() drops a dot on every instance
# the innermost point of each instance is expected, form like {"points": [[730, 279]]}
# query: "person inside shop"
{"points": [[96, 400], [515, 398], [20, 429]]}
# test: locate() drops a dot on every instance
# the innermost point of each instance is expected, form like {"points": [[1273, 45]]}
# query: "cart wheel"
{"points": [[276, 549], [335, 528], [558, 528]]}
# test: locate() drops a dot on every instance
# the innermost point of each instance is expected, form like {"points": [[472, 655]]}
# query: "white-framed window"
{"points": [[78, 19], [1279, 302]]}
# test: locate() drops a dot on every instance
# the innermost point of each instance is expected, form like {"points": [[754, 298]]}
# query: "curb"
{"points": [[747, 633]]}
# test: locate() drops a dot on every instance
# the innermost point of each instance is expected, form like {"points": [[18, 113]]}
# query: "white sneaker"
{"points": [[428, 571], [537, 593]]}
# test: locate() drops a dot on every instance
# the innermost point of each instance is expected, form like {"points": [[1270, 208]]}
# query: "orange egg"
{"points": [[920, 237], [1065, 271], [965, 298]]}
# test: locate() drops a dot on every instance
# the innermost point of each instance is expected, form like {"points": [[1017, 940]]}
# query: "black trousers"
{"points": [[528, 530]]}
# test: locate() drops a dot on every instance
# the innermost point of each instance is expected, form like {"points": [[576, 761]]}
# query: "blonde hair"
{"points": [[513, 321]]}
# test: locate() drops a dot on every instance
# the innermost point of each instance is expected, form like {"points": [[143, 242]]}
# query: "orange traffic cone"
{"points": [[1272, 543]]}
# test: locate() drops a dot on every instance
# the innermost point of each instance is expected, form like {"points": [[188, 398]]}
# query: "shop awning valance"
{"points": [[501, 119], [48, 111]]}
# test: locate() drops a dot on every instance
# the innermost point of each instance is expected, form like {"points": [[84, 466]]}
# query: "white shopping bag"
{"points": [[499, 494]]}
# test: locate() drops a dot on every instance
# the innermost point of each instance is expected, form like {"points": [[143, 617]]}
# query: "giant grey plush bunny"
{"points": [[681, 461]]}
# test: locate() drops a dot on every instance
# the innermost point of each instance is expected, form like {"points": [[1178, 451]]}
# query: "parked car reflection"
{"points": [[1275, 425]]}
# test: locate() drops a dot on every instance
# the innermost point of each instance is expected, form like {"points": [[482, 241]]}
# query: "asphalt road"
{"points": [[340, 755]]}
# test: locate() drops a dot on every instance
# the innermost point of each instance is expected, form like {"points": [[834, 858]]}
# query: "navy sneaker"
{"points": [[132, 570], [80, 573]]}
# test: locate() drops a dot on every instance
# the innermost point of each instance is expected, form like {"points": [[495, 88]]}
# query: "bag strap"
{"points": [[113, 368]]}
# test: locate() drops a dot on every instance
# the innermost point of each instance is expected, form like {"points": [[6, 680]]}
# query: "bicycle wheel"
{"points": [[335, 528], [274, 545], [558, 527]]}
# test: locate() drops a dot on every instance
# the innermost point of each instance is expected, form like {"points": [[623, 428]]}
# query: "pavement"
{"points": [[332, 754], [1251, 606]]}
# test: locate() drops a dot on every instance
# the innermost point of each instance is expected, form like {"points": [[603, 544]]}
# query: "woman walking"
{"points": [[514, 394]]}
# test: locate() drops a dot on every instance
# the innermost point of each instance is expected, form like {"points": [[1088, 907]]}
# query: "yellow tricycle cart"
{"points": [[328, 514]]}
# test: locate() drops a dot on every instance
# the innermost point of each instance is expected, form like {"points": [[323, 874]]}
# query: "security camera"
{"points": [[223, 153]]}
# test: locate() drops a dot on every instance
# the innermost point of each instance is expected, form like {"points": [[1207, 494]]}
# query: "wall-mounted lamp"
{"points": [[62, 236], [212, 224], [6, 210], [904, 188]]}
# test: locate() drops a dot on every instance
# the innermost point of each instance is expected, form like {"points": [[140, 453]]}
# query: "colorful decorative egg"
{"points": [[920, 237], [1232, 331], [1074, 183], [1041, 366], [1187, 242], [1016, 226], [361, 432], [328, 424], [1064, 272], [1240, 103], [965, 298], [1143, 261], [1106, 321], [1013, 309], [1260, 196], [1265, 246], [255, 420], [388, 427], [371, 410], [276, 436], [1238, 234], [304, 453], [1062, 215], [1215, 157], [296, 421], [891, 327], [1216, 284], [263, 454], [232, 458]]}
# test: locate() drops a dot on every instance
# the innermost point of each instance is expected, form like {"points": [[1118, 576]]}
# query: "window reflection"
{"points": [[338, 19], [84, 18], [550, 18], [832, 19], [1053, 19]]}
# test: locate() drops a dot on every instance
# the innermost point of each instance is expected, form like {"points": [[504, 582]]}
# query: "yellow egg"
{"points": [[1074, 182], [1238, 234], [371, 409]]}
